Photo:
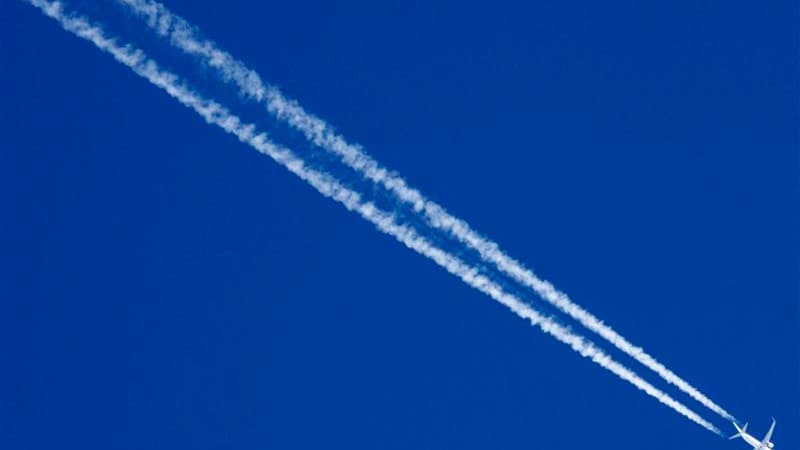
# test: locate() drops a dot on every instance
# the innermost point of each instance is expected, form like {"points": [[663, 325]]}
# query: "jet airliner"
{"points": [[764, 444]]}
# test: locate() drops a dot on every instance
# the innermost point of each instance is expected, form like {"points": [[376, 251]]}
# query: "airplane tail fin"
{"points": [[741, 431]]}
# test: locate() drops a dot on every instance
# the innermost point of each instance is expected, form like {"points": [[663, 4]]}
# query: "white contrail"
{"points": [[216, 114], [184, 36]]}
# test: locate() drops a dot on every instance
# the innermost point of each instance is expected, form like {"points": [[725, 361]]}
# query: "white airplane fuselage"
{"points": [[755, 443]]}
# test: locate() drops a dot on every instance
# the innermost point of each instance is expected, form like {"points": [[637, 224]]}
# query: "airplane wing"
{"points": [[768, 437]]}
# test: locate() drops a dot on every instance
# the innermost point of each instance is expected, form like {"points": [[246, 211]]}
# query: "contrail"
{"points": [[325, 184], [184, 36]]}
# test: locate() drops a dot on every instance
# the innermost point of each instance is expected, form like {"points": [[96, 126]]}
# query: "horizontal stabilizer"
{"points": [[740, 431]]}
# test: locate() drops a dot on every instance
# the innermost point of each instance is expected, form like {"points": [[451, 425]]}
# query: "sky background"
{"points": [[163, 286]]}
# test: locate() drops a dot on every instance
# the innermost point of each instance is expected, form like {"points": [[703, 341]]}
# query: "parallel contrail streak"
{"points": [[184, 36], [325, 184]]}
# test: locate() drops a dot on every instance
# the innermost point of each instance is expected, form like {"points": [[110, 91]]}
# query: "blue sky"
{"points": [[164, 286]]}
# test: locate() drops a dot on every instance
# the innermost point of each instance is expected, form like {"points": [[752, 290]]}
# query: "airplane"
{"points": [[764, 444]]}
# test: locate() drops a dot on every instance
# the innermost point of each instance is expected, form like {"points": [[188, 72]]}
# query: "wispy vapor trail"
{"points": [[184, 36], [328, 186]]}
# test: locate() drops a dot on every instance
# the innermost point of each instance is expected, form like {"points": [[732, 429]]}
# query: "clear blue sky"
{"points": [[163, 286]]}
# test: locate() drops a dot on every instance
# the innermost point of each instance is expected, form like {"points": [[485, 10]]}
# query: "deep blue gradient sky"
{"points": [[163, 286]]}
